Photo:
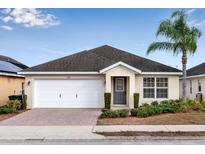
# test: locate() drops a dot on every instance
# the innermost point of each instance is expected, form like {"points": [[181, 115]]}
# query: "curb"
{"points": [[149, 128]]}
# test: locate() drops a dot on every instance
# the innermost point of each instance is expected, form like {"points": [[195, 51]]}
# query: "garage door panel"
{"points": [[68, 93]]}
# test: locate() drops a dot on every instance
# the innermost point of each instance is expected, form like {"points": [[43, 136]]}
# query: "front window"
{"points": [[155, 87], [149, 90], [162, 87]]}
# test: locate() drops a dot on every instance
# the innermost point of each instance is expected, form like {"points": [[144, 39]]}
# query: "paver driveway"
{"points": [[51, 117]]}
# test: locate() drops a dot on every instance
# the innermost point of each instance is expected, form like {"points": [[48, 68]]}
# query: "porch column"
{"points": [[108, 83], [131, 90]]}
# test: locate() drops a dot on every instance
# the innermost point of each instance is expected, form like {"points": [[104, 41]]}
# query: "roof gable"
{"points": [[120, 64]]}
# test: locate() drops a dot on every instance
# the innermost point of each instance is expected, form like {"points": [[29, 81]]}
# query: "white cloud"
{"points": [[197, 23], [7, 19], [190, 11], [7, 28], [6, 11], [30, 18]]}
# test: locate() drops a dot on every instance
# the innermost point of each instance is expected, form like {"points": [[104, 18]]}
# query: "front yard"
{"points": [[192, 117]]}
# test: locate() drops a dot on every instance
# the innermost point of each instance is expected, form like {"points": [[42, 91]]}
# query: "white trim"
{"points": [[10, 74], [161, 73], [120, 63], [155, 88], [194, 76], [58, 72]]}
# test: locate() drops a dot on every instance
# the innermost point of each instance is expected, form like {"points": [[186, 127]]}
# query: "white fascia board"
{"points": [[120, 63], [55, 73], [161, 73], [195, 76], [10, 74]]}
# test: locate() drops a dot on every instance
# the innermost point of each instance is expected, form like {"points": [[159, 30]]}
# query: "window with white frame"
{"points": [[155, 87], [162, 87], [149, 87]]}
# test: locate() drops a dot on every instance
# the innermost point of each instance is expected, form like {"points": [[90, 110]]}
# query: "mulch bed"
{"points": [[6, 116], [168, 134], [189, 118]]}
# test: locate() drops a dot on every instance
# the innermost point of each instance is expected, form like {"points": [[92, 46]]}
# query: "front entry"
{"points": [[119, 90]]}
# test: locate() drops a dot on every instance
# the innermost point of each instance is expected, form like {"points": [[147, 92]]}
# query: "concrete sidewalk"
{"points": [[47, 132], [149, 128], [84, 132]]}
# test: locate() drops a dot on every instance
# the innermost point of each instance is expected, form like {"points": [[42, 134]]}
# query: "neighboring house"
{"points": [[195, 82], [80, 80], [10, 82]]}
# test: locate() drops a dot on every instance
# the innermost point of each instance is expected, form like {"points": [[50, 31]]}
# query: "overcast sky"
{"points": [[34, 36]]}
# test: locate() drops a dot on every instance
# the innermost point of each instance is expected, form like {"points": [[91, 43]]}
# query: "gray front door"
{"points": [[119, 90]]}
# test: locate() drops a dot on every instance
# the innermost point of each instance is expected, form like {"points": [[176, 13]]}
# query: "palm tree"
{"points": [[181, 38]]}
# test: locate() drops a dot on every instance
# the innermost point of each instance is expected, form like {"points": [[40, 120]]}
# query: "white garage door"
{"points": [[68, 93]]}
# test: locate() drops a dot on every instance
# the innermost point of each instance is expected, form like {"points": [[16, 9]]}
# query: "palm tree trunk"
{"points": [[184, 62]]}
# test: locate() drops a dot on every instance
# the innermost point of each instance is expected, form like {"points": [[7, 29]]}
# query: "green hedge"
{"points": [[156, 108], [6, 110], [114, 113], [107, 98], [136, 100], [134, 112]]}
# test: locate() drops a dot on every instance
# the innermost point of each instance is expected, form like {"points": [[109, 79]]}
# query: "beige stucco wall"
{"points": [[194, 87], [121, 71], [9, 85], [134, 84], [173, 88]]}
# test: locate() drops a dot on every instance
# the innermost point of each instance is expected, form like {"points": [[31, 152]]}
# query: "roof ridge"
{"points": [[139, 56], [91, 50]]}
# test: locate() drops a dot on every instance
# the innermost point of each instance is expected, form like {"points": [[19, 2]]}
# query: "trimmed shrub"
{"points": [[107, 97], [123, 112], [169, 107], [134, 112], [149, 110], [115, 113], [6, 110], [24, 102], [15, 104], [136, 100], [110, 114], [155, 103]]}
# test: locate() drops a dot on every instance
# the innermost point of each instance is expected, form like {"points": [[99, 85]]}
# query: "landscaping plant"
{"points": [[15, 104], [6, 110], [107, 97], [136, 100]]}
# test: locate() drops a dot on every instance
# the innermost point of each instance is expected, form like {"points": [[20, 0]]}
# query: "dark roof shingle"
{"points": [[99, 58], [197, 70]]}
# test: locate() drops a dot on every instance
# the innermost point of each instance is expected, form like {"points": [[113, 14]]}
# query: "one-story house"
{"points": [[80, 80], [195, 82], [10, 82]]}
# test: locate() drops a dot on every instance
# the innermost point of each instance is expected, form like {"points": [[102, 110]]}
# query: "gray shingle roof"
{"points": [[10, 65], [100, 58], [197, 70]]}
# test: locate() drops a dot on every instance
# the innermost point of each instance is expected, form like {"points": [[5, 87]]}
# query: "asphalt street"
{"points": [[112, 141]]}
